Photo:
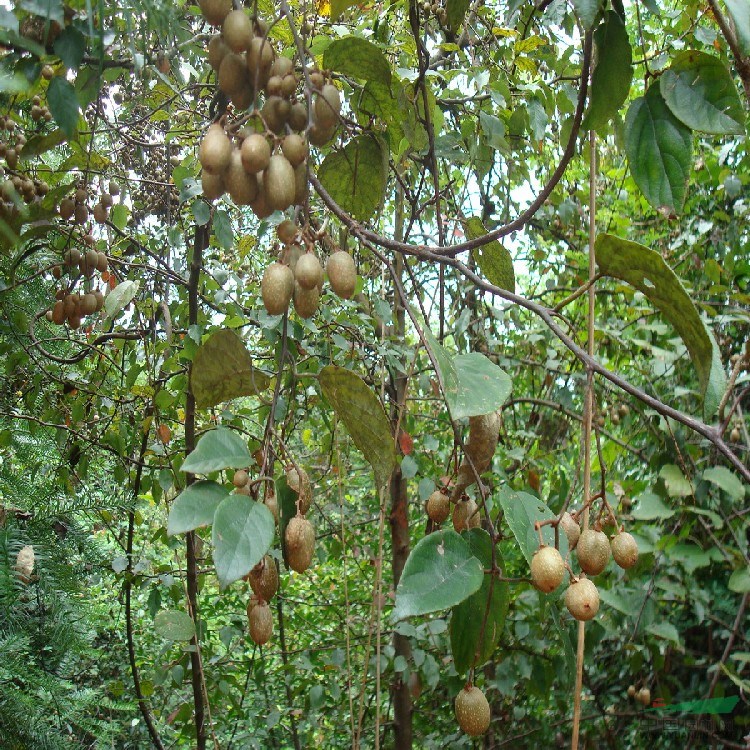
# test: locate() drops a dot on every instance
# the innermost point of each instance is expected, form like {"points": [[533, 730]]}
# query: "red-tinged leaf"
{"points": [[405, 442]]}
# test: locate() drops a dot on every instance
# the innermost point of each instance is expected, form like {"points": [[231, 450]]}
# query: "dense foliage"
{"points": [[174, 396]]}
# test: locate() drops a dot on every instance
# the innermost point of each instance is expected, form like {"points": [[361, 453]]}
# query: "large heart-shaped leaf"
{"points": [[223, 369], [477, 622], [440, 572], [242, 533], [739, 10], [659, 149], [63, 104], [218, 449], [358, 58], [362, 413], [699, 90], [174, 625], [494, 259], [195, 507], [646, 270]]}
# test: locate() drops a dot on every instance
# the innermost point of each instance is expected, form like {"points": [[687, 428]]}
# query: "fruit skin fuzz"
{"points": [[472, 711]]}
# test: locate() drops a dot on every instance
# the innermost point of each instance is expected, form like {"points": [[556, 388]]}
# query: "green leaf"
{"points": [[362, 413], [493, 258], [660, 150], [522, 511], [242, 534], [339, 6], [39, 144], [70, 47], [665, 630], [700, 91], [477, 623], [690, 556], [51, 10], [726, 480], [174, 625], [612, 74], [356, 176], [456, 10], [13, 83], [63, 104], [650, 507], [195, 506], [473, 384], [357, 58], [223, 370], [739, 581], [218, 449], [119, 215], [739, 10], [119, 297], [440, 572], [587, 11], [675, 481], [646, 270]]}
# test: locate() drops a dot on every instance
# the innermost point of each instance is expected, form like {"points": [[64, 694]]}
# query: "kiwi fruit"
{"points": [[294, 147], [624, 550], [298, 116], [631, 691], [213, 185], [300, 543], [113, 187], [278, 181], [319, 135], [286, 231], [593, 551], [465, 515], [106, 200], [328, 106], [300, 184], [582, 599], [306, 300], [232, 76], [273, 87], [240, 478], [80, 214], [102, 264], [256, 153], [217, 50], [259, 59], [275, 113], [643, 696], [294, 253], [58, 313], [276, 288], [88, 304], [99, 299], [67, 208], [260, 204], [289, 85], [282, 66], [273, 505], [342, 274], [264, 579], [237, 30], [260, 622], [298, 481], [215, 150], [308, 272], [438, 506], [241, 186], [472, 711], [571, 528], [547, 569], [215, 11], [100, 213]]}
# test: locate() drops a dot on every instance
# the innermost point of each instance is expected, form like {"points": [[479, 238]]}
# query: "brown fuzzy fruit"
{"points": [[276, 288], [306, 301], [465, 515], [80, 214], [102, 264], [286, 231], [308, 272], [88, 304], [260, 620], [472, 711], [319, 134], [294, 147], [217, 50], [582, 599], [264, 579], [241, 186], [438, 507], [273, 505], [624, 550], [342, 274], [67, 208], [215, 150], [259, 59], [328, 106], [58, 313], [240, 478], [232, 76], [631, 691], [298, 481], [256, 153], [300, 184], [99, 300], [213, 186], [237, 30], [300, 543], [298, 116], [278, 181], [571, 528], [593, 551], [547, 569], [275, 113], [282, 66], [643, 696], [215, 11]]}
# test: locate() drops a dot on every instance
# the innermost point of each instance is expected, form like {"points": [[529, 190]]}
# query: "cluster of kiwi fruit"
{"points": [[299, 537], [593, 551], [76, 209], [260, 159], [616, 413], [298, 274], [438, 10], [642, 695]]}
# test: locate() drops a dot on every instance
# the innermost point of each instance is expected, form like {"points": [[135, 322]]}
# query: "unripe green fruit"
{"points": [[593, 551], [256, 153], [547, 569], [308, 272], [261, 623], [465, 515], [278, 181], [582, 599], [472, 711], [624, 550], [237, 30], [264, 579], [300, 543], [276, 288], [438, 506], [342, 274], [215, 150], [571, 528]]}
